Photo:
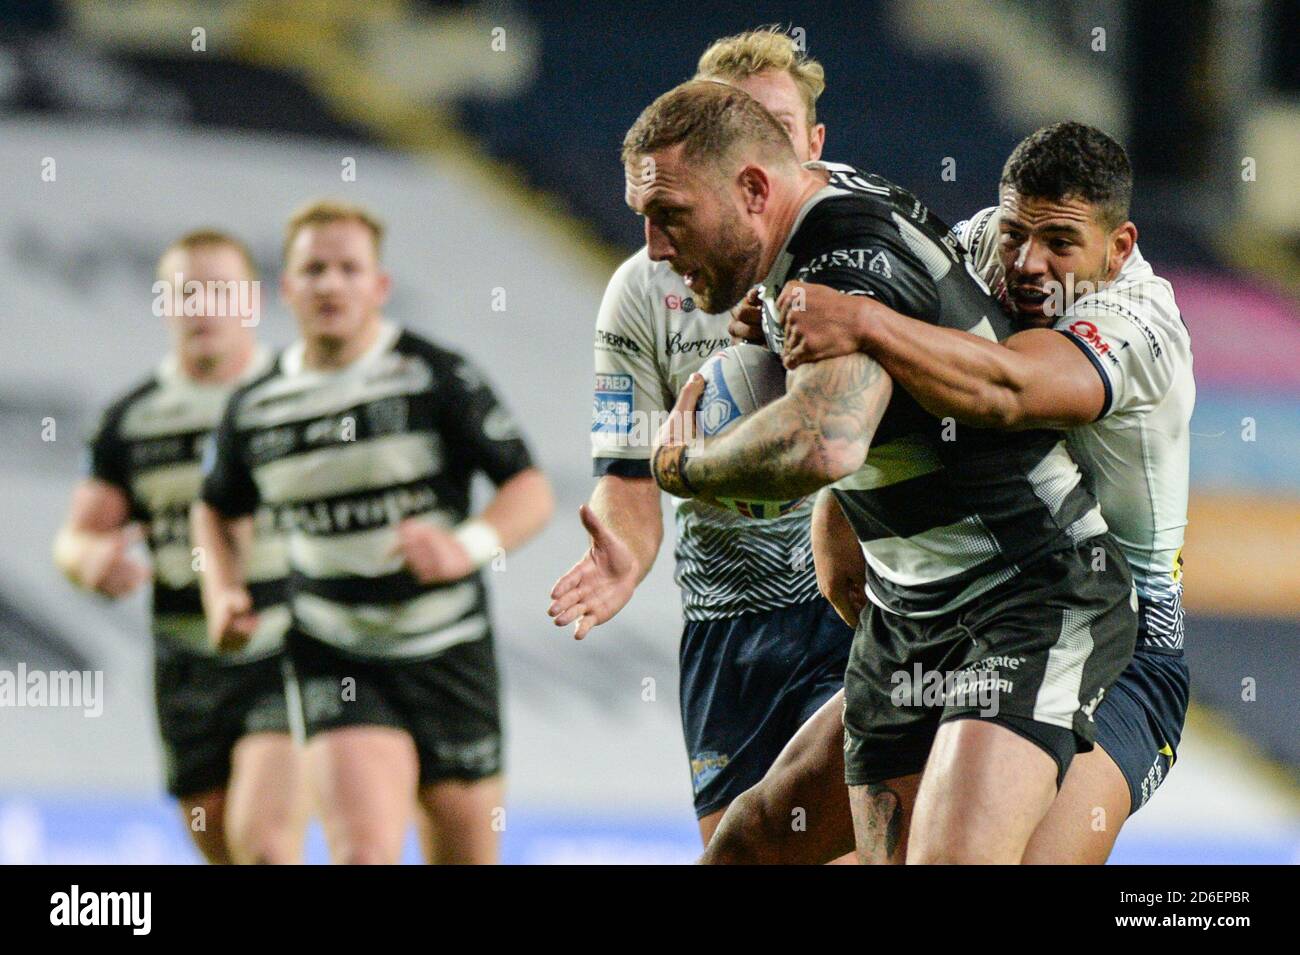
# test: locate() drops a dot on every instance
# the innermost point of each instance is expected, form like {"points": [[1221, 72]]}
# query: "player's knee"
{"points": [[747, 833], [364, 852], [953, 848], [266, 844]]}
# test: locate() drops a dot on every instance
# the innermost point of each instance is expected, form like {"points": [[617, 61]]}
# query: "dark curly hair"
{"points": [[1073, 161]]}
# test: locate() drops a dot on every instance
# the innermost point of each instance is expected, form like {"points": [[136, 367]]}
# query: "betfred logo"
{"points": [[679, 303], [1088, 332]]}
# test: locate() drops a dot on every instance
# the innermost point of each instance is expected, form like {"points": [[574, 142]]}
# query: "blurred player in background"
{"points": [[1108, 356], [364, 438], [229, 756], [761, 650]]}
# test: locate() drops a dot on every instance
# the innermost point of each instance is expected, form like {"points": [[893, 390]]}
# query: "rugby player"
{"points": [[1116, 368], [760, 650], [230, 760], [989, 561], [363, 438]]}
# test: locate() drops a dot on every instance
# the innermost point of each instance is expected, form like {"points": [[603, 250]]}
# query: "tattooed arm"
{"points": [[815, 434]]}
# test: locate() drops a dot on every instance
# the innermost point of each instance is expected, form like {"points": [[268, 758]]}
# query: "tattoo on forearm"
{"points": [[831, 410]]}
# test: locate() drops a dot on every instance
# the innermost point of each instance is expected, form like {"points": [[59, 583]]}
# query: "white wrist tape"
{"points": [[480, 540]]}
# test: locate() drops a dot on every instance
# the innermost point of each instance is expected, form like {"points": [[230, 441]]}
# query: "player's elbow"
{"points": [[828, 461], [996, 407], [815, 468]]}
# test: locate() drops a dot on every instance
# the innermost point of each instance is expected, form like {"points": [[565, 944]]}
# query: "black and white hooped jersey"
{"points": [[650, 338], [1137, 454], [149, 445], [945, 512], [341, 457]]}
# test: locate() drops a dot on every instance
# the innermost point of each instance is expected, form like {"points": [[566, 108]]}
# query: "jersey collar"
{"points": [[292, 361]]}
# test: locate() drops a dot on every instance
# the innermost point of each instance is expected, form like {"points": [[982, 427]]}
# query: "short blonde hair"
{"points": [[204, 238], [757, 51], [325, 211]]}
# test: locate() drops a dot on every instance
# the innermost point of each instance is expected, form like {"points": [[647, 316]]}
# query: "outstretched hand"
{"points": [[599, 585]]}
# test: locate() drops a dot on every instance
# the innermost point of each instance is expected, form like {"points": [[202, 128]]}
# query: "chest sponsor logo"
{"points": [[387, 415], [160, 451], [859, 259], [674, 344], [679, 303], [357, 512], [331, 430], [270, 444], [612, 411]]}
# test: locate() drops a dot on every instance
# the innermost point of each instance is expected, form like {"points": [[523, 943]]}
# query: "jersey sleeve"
{"points": [[628, 395], [228, 484], [107, 455], [482, 425], [1136, 343]]}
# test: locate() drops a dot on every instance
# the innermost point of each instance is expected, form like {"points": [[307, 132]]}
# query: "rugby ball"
{"points": [[738, 381]]}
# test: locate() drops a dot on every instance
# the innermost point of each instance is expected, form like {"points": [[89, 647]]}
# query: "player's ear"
{"points": [[1122, 242], [755, 188], [817, 141]]}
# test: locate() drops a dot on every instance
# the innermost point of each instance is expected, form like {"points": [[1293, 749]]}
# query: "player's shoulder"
{"points": [[641, 275], [634, 272], [413, 343], [1140, 298], [642, 292], [444, 363], [975, 233], [121, 404], [626, 292], [851, 195], [270, 367], [862, 207]]}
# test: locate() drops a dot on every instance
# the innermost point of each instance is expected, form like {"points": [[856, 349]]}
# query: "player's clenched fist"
{"points": [[676, 435], [432, 555], [819, 322], [598, 586], [231, 620]]}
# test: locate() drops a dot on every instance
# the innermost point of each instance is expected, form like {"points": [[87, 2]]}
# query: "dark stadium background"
{"points": [[498, 169]]}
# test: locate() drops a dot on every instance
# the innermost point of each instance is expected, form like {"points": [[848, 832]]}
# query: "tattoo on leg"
{"points": [[884, 821]]}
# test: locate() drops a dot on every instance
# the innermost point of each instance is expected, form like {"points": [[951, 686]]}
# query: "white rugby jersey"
{"points": [[341, 457], [650, 338], [1136, 454], [149, 445]]}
